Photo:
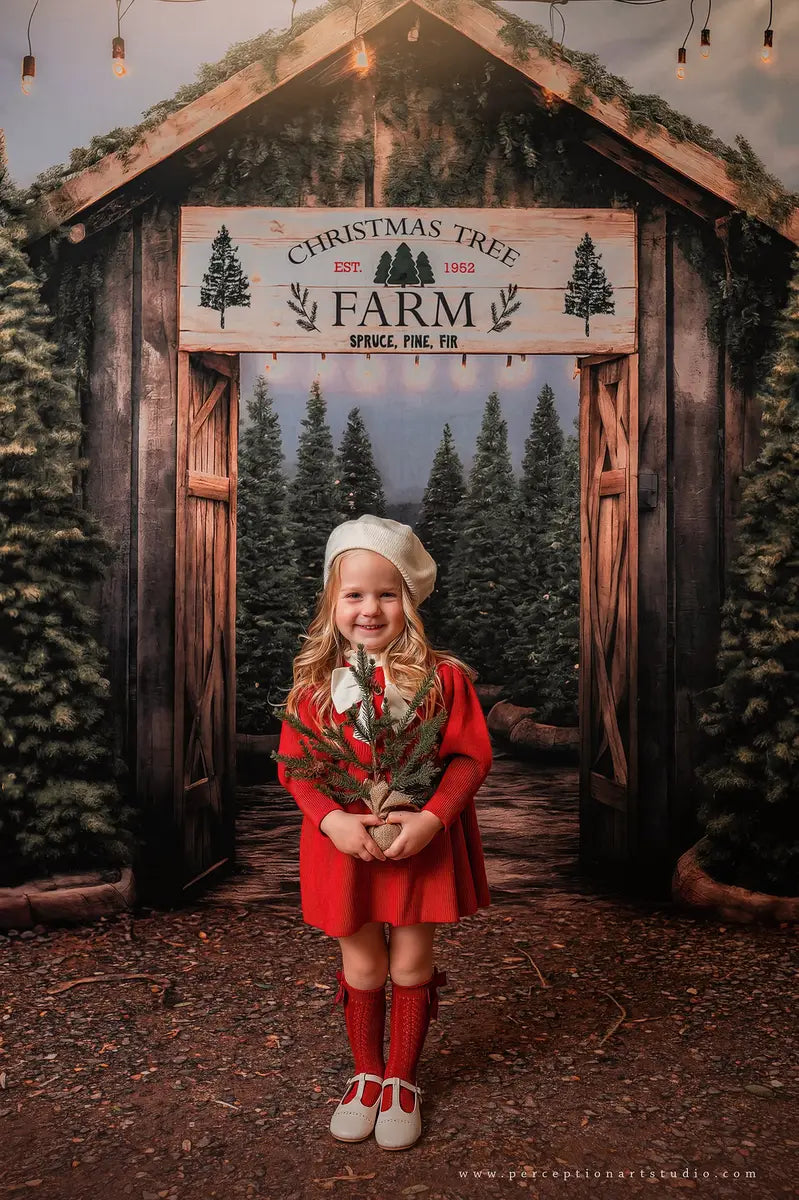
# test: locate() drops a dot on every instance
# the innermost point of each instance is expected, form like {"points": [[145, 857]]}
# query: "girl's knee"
{"points": [[364, 956], [411, 953]]}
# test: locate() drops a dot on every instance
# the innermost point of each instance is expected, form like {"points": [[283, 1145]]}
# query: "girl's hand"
{"points": [[418, 828], [348, 834]]}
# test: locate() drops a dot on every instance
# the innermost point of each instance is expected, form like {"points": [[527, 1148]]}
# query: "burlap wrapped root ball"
{"points": [[383, 800]]}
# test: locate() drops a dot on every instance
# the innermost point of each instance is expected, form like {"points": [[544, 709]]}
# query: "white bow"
{"points": [[345, 692]]}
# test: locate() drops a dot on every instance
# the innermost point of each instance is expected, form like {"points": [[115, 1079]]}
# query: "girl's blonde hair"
{"points": [[408, 659]]}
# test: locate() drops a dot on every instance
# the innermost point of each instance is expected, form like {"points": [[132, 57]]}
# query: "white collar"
{"points": [[345, 691]]}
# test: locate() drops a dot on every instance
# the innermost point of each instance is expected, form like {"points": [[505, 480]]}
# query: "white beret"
{"points": [[396, 542]]}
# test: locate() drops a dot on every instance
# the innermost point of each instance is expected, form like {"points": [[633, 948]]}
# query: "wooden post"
{"points": [[108, 449], [655, 566], [696, 399], [155, 534]]}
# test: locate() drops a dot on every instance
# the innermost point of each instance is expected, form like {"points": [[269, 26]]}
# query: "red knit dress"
{"points": [[443, 882]]}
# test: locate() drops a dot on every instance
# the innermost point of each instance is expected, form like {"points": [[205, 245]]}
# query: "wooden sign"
{"points": [[408, 281]]}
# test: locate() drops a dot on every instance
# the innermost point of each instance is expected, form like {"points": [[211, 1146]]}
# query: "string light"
{"points": [[704, 48], [118, 64], [29, 62], [463, 360], [768, 36], [681, 52], [361, 55]]}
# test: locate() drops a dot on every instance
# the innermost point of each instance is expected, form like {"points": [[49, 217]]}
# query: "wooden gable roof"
{"points": [[681, 169]]}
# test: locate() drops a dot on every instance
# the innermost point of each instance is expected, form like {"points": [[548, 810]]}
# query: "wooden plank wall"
{"points": [[697, 402], [108, 448], [655, 568]]}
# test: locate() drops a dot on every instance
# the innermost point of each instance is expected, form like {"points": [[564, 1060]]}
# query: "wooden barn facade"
{"points": [[666, 429]]}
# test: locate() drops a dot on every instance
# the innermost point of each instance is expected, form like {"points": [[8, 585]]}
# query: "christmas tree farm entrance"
{"points": [[205, 669]]}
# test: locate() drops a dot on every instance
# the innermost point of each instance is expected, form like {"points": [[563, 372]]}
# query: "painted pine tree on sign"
{"points": [[224, 283], [403, 267], [589, 290]]}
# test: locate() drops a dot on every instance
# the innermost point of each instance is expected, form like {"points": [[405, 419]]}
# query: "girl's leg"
{"points": [[364, 957], [413, 983]]}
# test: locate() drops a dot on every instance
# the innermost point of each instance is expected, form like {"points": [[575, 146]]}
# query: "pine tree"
{"points": [[438, 527], [751, 718], [588, 291], [552, 616], [224, 284], [63, 793], [540, 488], [313, 499], [383, 268], [424, 269], [485, 566], [360, 489], [403, 268], [268, 624]]}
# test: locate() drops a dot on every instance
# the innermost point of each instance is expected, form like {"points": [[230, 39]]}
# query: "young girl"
{"points": [[376, 574]]}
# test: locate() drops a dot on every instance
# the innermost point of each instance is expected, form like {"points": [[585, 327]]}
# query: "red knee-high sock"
{"points": [[365, 1018], [412, 1009]]}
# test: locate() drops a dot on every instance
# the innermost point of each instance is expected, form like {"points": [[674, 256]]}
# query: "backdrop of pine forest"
{"points": [[507, 548]]}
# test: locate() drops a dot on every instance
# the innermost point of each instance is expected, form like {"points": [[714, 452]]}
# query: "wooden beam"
{"points": [[209, 487], [327, 37], [482, 26], [643, 166]]}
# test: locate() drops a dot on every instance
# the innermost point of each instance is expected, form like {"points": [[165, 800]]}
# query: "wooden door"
{"points": [[205, 616], [608, 609]]}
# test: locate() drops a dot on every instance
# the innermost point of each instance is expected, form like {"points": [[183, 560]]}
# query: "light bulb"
{"points": [[118, 57], [681, 56], [28, 74], [704, 48], [361, 56], [768, 45]]}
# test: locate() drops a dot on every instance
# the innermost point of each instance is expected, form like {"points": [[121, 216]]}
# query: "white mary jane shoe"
{"points": [[396, 1129], [354, 1121]]}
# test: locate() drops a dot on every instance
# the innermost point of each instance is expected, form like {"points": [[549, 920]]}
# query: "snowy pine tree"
{"points": [[438, 527], [485, 564], [360, 489], [63, 793], [268, 625], [588, 291], [224, 284], [752, 717], [313, 499]]}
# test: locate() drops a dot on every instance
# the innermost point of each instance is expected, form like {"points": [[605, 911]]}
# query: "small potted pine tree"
{"points": [[403, 766], [746, 865]]}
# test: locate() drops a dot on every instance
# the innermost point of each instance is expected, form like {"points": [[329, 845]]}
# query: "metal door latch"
{"points": [[647, 489]]}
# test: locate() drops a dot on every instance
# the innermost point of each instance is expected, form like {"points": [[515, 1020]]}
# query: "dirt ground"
{"points": [[582, 1045]]}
